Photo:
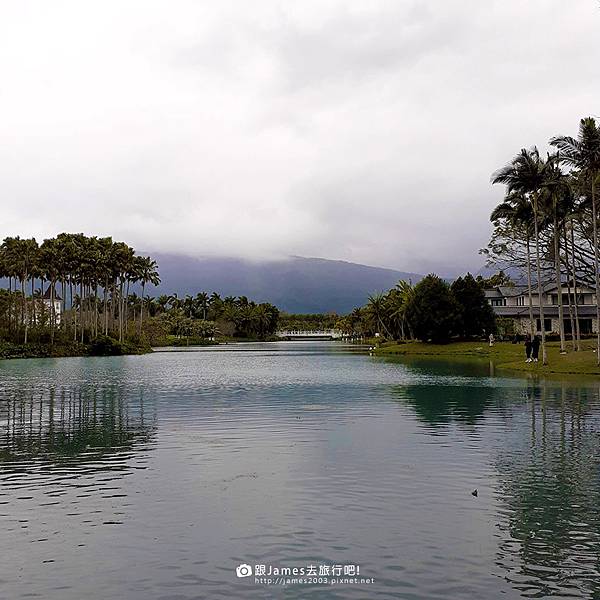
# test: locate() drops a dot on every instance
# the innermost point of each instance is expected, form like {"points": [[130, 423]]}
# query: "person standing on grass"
{"points": [[491, 339], [535, 348], [528, 348]]}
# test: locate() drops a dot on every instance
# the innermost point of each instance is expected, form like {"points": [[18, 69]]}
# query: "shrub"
{"points": [[104, 345]]}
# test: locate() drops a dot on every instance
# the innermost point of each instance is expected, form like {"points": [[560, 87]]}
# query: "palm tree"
{"points": [[49, 252], [188, 305], [583, 154], [216, 305], [530, 174], [517, 211], [147, 270], [377, 310], [28, 257], [202, 301], [557, 200], [571, 238]]}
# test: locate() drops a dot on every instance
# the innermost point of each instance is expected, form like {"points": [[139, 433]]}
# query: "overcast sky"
{"points": [[358, 130]]}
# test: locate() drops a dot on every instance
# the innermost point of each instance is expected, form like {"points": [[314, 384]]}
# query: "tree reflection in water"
{"points": [[76, 424], [549, 490], [543, 438]]}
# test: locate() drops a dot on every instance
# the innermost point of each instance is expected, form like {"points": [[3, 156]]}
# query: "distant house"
{"points": [[47, 301], [512, 302]]}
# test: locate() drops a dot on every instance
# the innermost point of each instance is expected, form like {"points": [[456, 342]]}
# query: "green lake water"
{"points": [[154, 477]]}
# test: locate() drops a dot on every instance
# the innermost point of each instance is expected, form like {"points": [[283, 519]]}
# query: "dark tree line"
{"points": [[430, 311], [205, 316]]}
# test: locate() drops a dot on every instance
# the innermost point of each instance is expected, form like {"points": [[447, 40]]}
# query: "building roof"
{"points": [[585, 310], [48, 294], [505, 291], [552, 287]]}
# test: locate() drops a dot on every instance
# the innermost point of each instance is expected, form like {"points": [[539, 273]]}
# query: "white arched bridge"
{"points": [[312, 334]]}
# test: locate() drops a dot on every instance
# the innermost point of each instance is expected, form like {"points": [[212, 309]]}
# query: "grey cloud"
{"points": [[364, 131]]}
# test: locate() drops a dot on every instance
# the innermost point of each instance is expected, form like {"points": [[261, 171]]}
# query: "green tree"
{"points": [[147, 271], [475, 315], [377, 313], [202, 302], [433, 310], [583, 154], [516, 211], [529, 174]]}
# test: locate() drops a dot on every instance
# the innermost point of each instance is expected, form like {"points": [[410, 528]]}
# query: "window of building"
{"points": [[585, 326], [498, 301], [565, 299], [547, 325]]}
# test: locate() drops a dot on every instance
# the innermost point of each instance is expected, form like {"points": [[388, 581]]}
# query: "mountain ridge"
{"points": [[295, 284]]}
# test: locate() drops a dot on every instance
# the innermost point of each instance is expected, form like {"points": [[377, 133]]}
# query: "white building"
{"points": [[513, 302], [47, 300]]}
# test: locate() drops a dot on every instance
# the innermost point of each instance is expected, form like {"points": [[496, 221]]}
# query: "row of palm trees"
{"points": [[231, 315], [550, 205], [385, 313], [431, 310], [85, 286], [90, 278]]}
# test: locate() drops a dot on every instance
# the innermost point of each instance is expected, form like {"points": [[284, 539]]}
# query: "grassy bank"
{"points": [[504, 355]]}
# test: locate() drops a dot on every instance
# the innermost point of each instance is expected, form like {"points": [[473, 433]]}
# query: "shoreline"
{"points": [[12, 351], [506, 356]]}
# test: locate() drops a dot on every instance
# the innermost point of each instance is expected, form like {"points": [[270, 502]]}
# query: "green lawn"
{"points": [[505, 355]]}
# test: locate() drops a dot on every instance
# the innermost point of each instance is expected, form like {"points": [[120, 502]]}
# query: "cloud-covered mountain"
{"points": [[302, 285]]}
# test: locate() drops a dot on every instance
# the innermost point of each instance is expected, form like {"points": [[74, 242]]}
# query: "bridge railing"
{"points": [[334, 333]]}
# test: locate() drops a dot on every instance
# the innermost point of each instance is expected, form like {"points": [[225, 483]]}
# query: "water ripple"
{"points": [[154, 476]]}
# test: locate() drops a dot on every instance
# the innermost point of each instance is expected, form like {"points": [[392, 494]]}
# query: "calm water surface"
{"points": [[153, 477]]}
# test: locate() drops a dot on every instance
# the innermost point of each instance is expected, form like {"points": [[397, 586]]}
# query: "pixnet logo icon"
{"points": [[243, 570]]}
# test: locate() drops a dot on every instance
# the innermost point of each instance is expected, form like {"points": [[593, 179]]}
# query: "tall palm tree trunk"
{"points": [[52, 311], [121, 307], [529, 289], [33, 311], [113, 304], [22, 301], [539, 279], [26, 308], [81, 313], [72, 309], [127, 308], [561, 316], [95, 329], [571, 320], [597, 276], [105, 306], [10, 303], [142, 307], [575, 296], [64, 302]]}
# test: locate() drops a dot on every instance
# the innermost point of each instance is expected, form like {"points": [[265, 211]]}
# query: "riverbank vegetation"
{"points": [[308, 322], [77, 295], [430, 311], [546, 228], [70, 295], [204, 318]]}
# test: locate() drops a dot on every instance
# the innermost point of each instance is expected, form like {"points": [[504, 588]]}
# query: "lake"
{"points": [[156, 476]]}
